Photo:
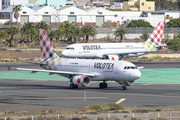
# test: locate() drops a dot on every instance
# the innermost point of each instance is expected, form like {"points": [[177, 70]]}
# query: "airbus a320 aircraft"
{"points": [[116, 51], [82, 71]]}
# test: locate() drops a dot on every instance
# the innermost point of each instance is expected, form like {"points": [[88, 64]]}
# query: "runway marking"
{"points": [[147, 84], [129, 94], [120, 101], [63, 98]]}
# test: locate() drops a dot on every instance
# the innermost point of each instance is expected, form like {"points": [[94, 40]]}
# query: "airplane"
{"points": [[117, 51], [82, 71]]}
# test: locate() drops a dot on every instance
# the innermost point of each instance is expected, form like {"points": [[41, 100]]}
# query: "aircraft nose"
{"points": [[138, 74], [63, 53]]}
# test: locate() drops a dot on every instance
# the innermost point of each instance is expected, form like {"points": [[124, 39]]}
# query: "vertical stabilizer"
{"points": [[156, 35], [47, 50]]}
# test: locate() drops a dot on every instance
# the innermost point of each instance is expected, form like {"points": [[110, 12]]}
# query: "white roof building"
{"points": [[7, 3], [46, 13], [94, 17], [26, 14]]}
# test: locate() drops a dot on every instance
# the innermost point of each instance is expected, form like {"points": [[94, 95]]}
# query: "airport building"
{"points": [[139, 5], [95, 17]]}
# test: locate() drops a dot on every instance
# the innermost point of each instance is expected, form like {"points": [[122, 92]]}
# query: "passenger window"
{"points": [[128, 67], [125, 67]]}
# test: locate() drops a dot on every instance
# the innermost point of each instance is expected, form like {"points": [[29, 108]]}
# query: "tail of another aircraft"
{"points": [[153, 43], [156, 35], [47, 50]]}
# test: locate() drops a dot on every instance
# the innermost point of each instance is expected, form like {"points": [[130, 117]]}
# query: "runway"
{"points": [[18, 95], [36, 95]]}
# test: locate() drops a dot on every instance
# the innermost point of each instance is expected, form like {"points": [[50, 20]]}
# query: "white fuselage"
{"points": [[97, 50], [103, 69]]}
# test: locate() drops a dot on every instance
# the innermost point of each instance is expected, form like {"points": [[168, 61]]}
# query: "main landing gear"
{"points": [[123, 88], [72, 86], [103, 85]]}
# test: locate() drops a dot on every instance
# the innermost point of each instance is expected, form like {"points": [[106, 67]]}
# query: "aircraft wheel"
{"points": [[72, 86], [101, 85], [75, 86], [123, 88], [105, 85]]}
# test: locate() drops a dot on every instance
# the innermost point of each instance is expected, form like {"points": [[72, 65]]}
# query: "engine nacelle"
{"points": [[127, 83], [83, 81]]}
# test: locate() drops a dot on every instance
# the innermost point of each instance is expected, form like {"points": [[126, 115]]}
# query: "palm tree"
{"points": [[52, 35], [43, 25], [144, 36], [22, 38], [2, 34], [120, 32], [76, 33], [26, 27], [33, 34], [66, 29], [59, 34], [16, 10], [10, 32], [88, 30], [27, 30]]}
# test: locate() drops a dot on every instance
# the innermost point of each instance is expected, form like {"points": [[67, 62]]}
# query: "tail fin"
{"points": [[156, 35], [47, 50]]}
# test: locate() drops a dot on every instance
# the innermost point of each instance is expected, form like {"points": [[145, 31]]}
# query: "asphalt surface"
{"points": [[33, 95]]}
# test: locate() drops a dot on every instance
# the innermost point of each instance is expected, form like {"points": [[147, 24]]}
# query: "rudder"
{"points": [[156, 35], [47, 50]]}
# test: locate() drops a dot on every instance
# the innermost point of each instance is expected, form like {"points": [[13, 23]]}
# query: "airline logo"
{"points": [[156, 36], [91, 47], [104, 65], [79, 80], [47, 51]]}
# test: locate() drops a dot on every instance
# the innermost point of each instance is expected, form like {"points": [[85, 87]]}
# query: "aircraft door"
{"points": [[80, 52], [117, 65]]}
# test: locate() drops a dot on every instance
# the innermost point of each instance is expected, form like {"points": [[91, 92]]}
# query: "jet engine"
{"points": [[127, 83], [83, 81]]}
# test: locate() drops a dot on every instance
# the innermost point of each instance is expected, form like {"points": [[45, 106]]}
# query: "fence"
{"points": [[102, 116], [137, 30], [111, 30]]}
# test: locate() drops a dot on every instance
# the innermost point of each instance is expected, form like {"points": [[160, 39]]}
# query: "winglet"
{"points": [[9, 68], [140, 67]]}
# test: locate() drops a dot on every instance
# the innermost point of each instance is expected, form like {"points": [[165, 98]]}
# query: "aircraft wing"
{"points": [[126, 53], [42, 63], [52, 71]]}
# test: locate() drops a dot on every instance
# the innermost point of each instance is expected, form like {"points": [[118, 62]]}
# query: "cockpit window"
{"points": [[69, 48], [130, 67]]}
